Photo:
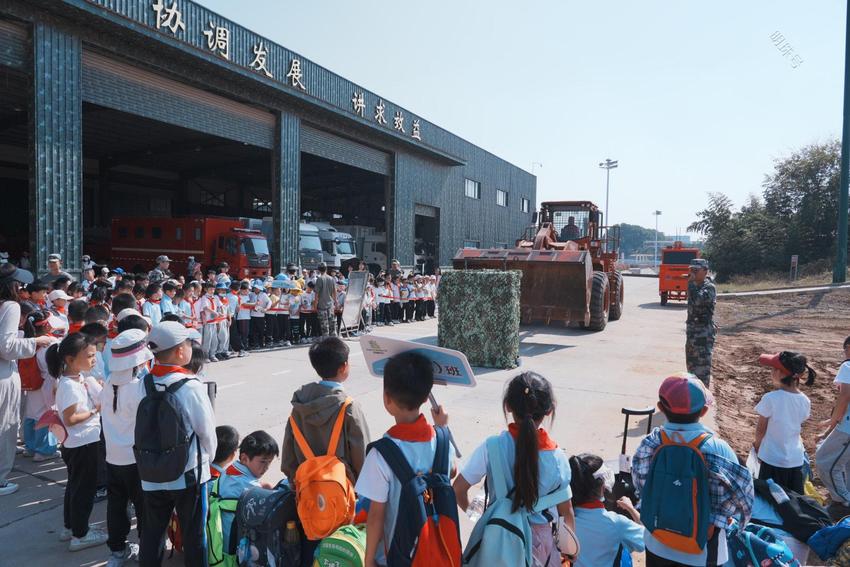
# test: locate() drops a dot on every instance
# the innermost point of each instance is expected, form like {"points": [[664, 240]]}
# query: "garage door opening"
{"points": [[14, 165], [155, 173], [344, 200], [426, 242]]}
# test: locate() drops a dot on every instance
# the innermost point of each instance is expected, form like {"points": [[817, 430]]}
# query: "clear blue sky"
{"points": [[689, 96]]}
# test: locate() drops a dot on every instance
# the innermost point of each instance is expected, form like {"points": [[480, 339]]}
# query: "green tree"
{"points": [[797, 216], [633, 236]]}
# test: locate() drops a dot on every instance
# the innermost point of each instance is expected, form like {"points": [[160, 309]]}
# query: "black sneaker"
{"points": [[224, 356]]}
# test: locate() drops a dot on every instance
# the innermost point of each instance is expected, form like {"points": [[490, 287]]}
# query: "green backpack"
{"points": [[346, 547], [219, 552]]}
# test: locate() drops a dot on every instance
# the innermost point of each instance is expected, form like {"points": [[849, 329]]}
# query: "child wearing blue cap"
{"points": [[684, 400]]}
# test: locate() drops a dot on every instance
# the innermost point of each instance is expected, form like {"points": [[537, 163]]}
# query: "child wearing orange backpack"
{"points": [[315, 407], [715, 495], [412, 510]]}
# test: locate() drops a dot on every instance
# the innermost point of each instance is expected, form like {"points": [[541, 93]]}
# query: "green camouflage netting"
{"points": [[479, 315]]}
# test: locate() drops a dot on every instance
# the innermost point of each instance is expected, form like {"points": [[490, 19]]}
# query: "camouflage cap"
{"points": [[699, 264]]}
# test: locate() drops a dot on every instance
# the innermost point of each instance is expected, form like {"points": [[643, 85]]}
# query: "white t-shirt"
{"points": [[786, 412], [843, 377], [119, 419], [81, 391]]}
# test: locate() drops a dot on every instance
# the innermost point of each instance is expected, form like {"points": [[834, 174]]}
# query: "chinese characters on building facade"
{"points": [[216, 38]]}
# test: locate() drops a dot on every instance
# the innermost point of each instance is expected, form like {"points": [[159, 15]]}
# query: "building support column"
{"points": [[286, 190], [56, 148]]}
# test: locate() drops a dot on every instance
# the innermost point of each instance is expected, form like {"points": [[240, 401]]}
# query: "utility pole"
{"points": [[839, 270], [655, 255], [607, 165]]}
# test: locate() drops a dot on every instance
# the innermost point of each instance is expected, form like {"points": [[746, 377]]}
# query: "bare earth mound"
{"points": [[814, 324]]}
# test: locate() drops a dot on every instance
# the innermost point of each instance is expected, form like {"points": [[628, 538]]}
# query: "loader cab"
{"points": [[572, 220]]}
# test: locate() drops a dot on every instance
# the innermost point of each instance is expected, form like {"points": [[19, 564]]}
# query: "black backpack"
{"points": [[162, 436], [261, 518], [802, 516]]}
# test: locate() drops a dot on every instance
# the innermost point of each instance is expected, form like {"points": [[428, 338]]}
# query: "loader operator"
{"points": [[700, 329], [570, 230]]}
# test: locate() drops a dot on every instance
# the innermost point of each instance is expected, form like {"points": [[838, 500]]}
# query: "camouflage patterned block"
{"points": [[479, 315]]}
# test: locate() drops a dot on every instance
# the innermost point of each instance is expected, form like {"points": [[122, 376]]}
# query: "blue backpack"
{"points": [[426, 532], [758, 545], [675, 500], [508, 533], [826, 541]]}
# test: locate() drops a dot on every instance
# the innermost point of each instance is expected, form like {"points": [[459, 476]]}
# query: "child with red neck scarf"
{"points": [[539, 467]]}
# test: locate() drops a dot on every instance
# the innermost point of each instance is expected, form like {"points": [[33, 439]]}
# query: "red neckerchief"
{"points": [[154, 301], [214, 472], [112, 329], [74, 328], [59, 309], [544, 442], [160, 370], [418, 431], [232, 471], [591, 505]]}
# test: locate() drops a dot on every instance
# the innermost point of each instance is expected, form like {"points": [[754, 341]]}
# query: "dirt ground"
{"points": [[814, 323]]}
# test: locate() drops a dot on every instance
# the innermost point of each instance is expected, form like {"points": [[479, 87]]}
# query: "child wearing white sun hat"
{"points": [[130, 360]]}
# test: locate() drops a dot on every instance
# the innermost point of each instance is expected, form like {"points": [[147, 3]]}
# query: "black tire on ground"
{"points": [[663, 298], [617, 295], [600, 301]]}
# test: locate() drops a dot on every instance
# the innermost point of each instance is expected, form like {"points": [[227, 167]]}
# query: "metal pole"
{"points": [[655, 254], [607, 185], [839, 271]]}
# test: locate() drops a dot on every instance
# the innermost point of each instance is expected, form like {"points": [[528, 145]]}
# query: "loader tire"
{"points": [[617, 295], [600, 301]]}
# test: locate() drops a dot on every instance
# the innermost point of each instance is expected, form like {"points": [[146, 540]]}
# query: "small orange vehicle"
{"points": [[673, 272]]}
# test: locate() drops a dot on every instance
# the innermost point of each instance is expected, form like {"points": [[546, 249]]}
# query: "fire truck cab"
{"points": [[136, 243]]}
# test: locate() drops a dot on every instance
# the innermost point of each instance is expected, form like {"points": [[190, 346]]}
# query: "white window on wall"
{"points": [[472, 189], [501, 198], [471, 244], [526, 205]]}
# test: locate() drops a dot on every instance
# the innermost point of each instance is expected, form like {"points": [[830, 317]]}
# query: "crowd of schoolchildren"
{"points": [[121, 393]]}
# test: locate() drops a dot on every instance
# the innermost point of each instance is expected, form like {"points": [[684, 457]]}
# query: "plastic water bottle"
{"points": [[776, 491], [476, 507], [292, 543]]}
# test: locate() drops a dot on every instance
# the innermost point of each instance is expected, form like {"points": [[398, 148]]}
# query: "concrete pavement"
{"points": [[594, 376]]}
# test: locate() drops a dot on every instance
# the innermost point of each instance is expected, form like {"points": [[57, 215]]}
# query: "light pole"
{"points": [[839, 270], [607, 165], [655, 255], [535, 164]]}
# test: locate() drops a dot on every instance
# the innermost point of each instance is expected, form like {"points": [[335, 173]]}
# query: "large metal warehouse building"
{"points": [[163, 108]]}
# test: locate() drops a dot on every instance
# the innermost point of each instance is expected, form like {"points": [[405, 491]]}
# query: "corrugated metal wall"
{"points": [[56, 147], [13, 45], [326, 145], [124, 87]]}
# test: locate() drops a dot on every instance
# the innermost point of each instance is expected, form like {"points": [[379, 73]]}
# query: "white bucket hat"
{"points": [[129, 350]]}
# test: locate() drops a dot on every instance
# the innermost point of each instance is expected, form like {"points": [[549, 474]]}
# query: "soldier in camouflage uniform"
{"points": [[700, 328]]}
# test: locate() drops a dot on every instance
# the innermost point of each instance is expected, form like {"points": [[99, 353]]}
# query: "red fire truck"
{"points": [[136, 243]]}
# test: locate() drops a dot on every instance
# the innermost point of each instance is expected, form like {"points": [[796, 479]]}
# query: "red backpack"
{"points": [[426, 530], [31, 378]]}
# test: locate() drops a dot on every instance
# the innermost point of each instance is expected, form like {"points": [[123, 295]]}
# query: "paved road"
{"points": [[594, 375]]}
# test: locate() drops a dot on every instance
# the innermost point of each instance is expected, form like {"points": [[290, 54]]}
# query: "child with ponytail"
{"points": [[539, 466], [781, 416], [71, 361], [603, 534], [39, 444]]}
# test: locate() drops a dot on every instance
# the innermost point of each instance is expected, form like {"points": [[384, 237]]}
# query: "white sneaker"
{"points": [[40, 458], [8, 488], [91, 539], [130, 553], [66, 534]]}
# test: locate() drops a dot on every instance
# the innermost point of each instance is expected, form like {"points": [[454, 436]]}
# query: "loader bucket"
{"points": [[555, 283]]}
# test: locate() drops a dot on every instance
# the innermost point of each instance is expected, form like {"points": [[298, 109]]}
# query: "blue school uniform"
{"points": [[601, 534], [235, 480]]}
